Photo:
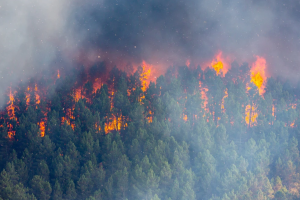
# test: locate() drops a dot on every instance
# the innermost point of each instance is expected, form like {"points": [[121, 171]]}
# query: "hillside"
{"points": [[193, 134]]}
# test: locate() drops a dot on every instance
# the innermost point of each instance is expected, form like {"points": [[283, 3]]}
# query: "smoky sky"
{"points": [[44, 35], [175, 31]]}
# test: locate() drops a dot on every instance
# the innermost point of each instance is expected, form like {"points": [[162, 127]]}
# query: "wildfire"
{"points": [[258, 76], [37, 96], [97, 84], [42, 128], [217, 66], [77, 94], [28, 96], [251, 115], [11, 108], [69, 116], [11, 113], [150, 117], [145, 75], [223, 100], [220, 63], [116, 124], [203, 95]]}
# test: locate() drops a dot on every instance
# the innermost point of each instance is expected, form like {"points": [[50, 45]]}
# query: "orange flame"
{"points": [[223, 100], [251, 115], [145, 75], [28, 96], [204, 96], [11, 108], [258, 76], [97, 84], [116, 124], [42, 128], [11, 113], [77, 94], [58, 75], [37, 96], [217, 66], [67, 119], [220, 63]]}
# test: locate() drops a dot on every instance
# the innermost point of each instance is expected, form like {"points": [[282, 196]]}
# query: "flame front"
{"points": [[117, 122]]}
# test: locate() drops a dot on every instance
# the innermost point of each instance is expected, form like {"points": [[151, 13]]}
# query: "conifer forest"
{"points": [[193, 134]]}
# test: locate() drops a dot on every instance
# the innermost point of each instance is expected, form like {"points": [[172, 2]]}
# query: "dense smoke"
{"points": [[43, 35], [33, 33], [173, 31]]}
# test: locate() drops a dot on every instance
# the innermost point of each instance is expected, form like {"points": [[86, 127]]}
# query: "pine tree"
{"points": [[43, 170], [40, 188], [71, 192], [57, 191]]}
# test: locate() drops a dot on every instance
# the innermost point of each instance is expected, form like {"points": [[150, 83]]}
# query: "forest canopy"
{"points": [[193, 134]]}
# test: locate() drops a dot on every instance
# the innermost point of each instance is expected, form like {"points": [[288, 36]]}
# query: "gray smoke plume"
{"points": [[38, 35]]}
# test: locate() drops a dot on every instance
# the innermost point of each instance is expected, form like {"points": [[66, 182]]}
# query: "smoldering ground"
{"points": [[40, 35]]}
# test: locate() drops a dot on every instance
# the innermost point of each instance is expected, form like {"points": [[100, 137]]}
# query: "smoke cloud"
{"points": [[39, 35]]}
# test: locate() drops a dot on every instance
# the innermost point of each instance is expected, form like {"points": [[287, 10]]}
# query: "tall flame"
{"points": [[145, 75], [258, 76], [11, 113], [220, 63]]}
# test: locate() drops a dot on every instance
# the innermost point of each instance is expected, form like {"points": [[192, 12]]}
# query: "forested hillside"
{"points": [[193, 134]]}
